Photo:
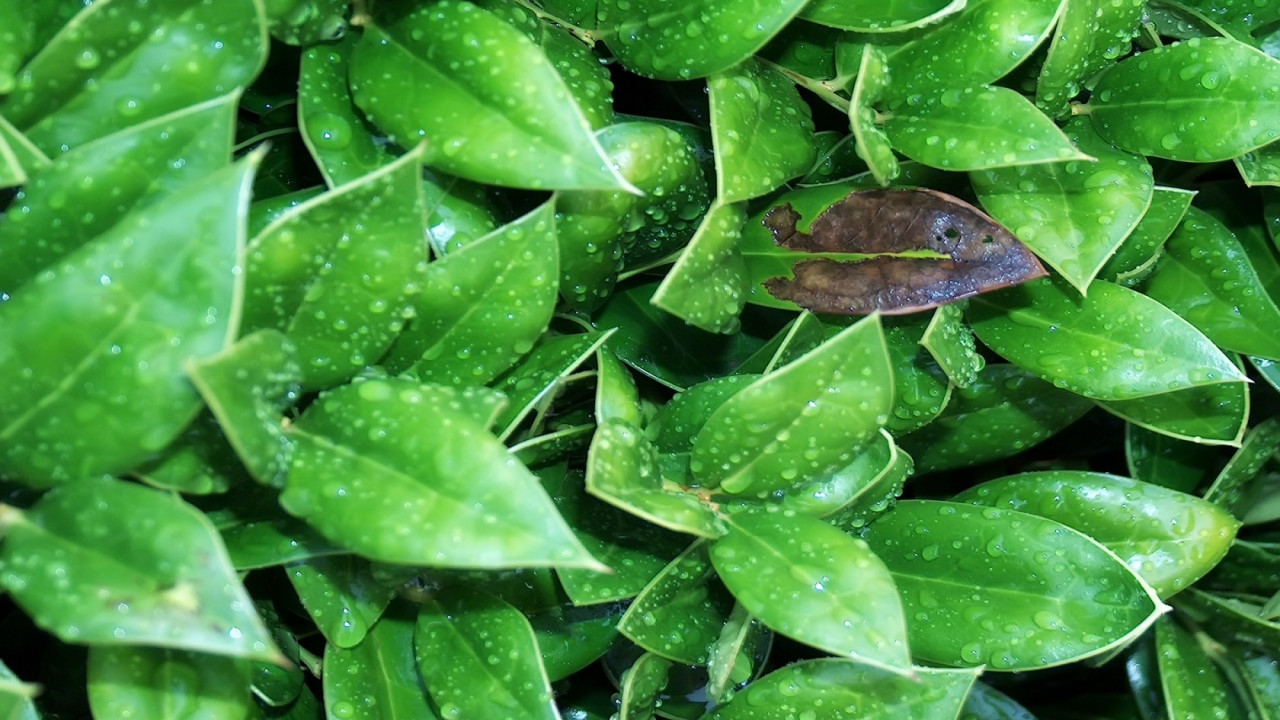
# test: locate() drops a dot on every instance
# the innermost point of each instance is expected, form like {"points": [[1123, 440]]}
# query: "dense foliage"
{"points": [[441, 359]]}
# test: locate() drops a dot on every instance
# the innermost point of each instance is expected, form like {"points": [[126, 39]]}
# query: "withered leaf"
{"points": [[924, 247]]}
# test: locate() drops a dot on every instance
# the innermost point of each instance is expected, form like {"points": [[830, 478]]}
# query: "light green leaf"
{"points": [[536, 379], [166, 684], [1089, 35], [802, 420], [1137, 255], [813, 583], [1202, 100], [680, 612], [1006, 589], [976, 128], [707, 286], [659, 39], [950, 341], [1073, 215], [134, 304], [153, 560], [338, 273], [737, 655], [1260, 166], [1114, 344], [835, 689], [870, 140], [377, 679], [481, 94], [1170, 539], [376, 458], [122, 62], [641, 686], [878, 16], [1208, 414], [341, 595], [761, 130], [482, 306], [479, 659]]}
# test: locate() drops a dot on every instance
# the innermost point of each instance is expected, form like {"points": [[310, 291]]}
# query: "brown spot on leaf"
{"points": [[927, 248]]}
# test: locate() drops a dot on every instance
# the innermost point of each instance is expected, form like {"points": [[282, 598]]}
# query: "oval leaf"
{"points": [[706, 286], [163, 683], [680, 613], [377, 679], [341, 596], [1087, 38], [878, 16]]}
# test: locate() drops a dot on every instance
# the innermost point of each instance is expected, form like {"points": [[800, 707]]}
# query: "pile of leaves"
{"points": [[533, 359]]}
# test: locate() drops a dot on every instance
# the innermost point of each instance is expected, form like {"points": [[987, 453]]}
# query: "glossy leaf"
{"points": [[16, 697], [870, 140], [1240, 619], [1202, 100], [1156, 458], [482, 306], [734, 659], [616, 392], [143, 298], [921, 390], [680, 612], [978, 45], [571, 639], [1170, 539], [986, 703], [863, 481], [761, 130], [656, 39], [813, 583], [540, 374], [341, 596], [1192, 686], [123, 62], [479, 659], [307, 22], [342, 142], [1209, 414], [1114, 344], [976, 128], [1138, 253], [200, 461], [951, 344], [880, 17], [1206, 276], [378, 457], [1229, 488], [641, 686], [706, 286], [142, 164], [895, 251], [1073, 215], [165, 683], [378, 678], [338, 274], [480, 93], [765, 437], [1006, 589], [1004, 411], [1261, 166], [154, 560], [835, 689], [1089, 35]]}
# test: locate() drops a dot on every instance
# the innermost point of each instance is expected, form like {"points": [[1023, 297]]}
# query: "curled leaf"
{"points": [[896, 251]]}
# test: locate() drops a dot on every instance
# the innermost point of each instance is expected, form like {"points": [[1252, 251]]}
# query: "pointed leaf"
{"points": [[16, 697], [1090, 34], [1136, 256], [540, 374], [153, 560], [480, 93], [1192, 685], [706, 286], [870, 140], [950, 341], [378, 457], [921, 390], [896, 251], [1209, 414], [1261, 166], [737, 655], [641, 686], [880, 17], [164, 683], [679, 613], [377, 679], [341, 596], [1229, 488], [135, 304], [813, 583], [1006, 589]]}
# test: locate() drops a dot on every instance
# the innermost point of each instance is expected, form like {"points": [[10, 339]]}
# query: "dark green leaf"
{"points": [[1193, 687], [641, 686], [1210, 414], [200, 461], [1137, 255], [1006, 589], [341, 596], [1260, 445], [950, 341], [706, 286], [987, 703], [880, 17], [163, 683], [921, 390], [1234, 619], [305, 22], [573, 638], [1157, 458], [1089, 35], [539, 376], [377, 679], [679, 614]]}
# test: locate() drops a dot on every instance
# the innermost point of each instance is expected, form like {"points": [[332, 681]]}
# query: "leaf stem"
{"points": [[589, 37], [822, 88]]}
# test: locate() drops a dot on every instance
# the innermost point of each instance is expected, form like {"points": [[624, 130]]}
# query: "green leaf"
{"points": [[616, 393], [377, 679], [481, 94], [1157, 458], [641, 686], [1006, 589], [950, 342], [120, 63], [1114, 344], [1137, 255], [482, 306], [870, 140], [737, 655], [880, 17], [200, 461], [979, 45], [16, 697], [154, 561], [307, 22], [656, 39], [338, 274], [986, 703], [835, 689], [537, 378], [680, 612], [761, 130], [342, 142], [1210, 414], [863, 481], [164, 683], [1202, 100], [1229, 488], [802, 420], [1003, 412], [1260, 166], [341, 595], [707, 286], [1089, 36], [921, 390], [1192, 686], [479, 658], [1170, 539], [569, 640], [1205, 276], [813, 583], [1239, 619], [976, 128], [374, 459], [135, 304], [1073, 215]]}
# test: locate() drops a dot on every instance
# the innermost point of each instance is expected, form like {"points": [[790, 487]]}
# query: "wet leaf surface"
{"points": [[870, 141], [166, 683], [1210, 414], [706, 286], [1087, 37], [1138, 253], [1192, 686], [16, 696], [378, 678], [340, 595], [950, 341], [880, 17], [894, 251], [679, 614]]}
